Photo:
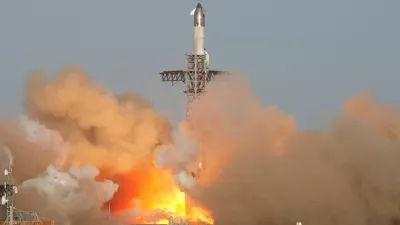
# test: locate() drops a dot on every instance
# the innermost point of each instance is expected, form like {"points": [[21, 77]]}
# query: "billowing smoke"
{"points": [[77, 146], [260, 169], [108, 131], [72, 197], [181, 157]]}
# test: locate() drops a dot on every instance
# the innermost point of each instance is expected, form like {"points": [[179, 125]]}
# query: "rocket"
{"points": [[199, 15]]}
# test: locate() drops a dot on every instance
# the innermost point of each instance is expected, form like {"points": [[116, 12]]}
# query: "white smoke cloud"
{"points": [[53, 188], [78, 185], [48, 139], [180, 158], [75, 190]]}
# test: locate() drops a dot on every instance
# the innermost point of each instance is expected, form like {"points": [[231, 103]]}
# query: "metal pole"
{"points": [[11, 198], [109, 210], [11, 214]]}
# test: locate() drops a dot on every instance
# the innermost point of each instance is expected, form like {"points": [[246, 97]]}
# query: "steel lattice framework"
{"points": [[195, 78]]}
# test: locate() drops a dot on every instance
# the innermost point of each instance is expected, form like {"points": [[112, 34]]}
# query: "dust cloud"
{"points": [[79, 147], [117, 132], [74, 141], [260, 169]]}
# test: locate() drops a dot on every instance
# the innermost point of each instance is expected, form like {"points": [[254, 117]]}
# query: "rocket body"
{"points": [[199, 24], [198, 42]]}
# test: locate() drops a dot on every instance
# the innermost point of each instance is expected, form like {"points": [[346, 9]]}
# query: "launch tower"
{"points": [[197, 75]]}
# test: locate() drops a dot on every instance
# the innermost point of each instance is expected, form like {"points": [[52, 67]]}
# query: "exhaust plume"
{"points": [[80, 147], [72, 197], [114, 132], [69, 197], [180, 157], [77, 145], [260, 169]]}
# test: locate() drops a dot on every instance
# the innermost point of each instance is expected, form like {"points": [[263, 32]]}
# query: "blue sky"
{"points": [[304, 56]]}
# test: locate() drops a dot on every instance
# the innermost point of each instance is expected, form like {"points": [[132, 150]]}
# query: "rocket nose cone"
{"points": [[199, 16]]}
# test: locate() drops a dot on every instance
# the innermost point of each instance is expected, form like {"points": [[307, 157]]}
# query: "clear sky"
{"points": [[305, 56]]}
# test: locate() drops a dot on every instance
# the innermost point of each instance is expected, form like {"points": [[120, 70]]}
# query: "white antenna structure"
{"points": [[7, 193]]}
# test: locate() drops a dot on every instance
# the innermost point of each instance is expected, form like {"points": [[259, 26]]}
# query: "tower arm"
{"points": [[173, 76], [214, 73]]}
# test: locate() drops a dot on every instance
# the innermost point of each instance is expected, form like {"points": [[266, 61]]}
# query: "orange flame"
{"points": [[156, 195]]}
